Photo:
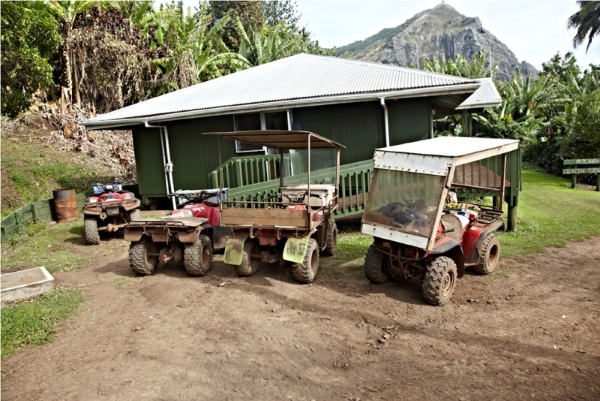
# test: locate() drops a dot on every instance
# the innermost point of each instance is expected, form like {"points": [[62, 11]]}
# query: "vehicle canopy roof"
{"points": [[280, 139], [434, 156]]}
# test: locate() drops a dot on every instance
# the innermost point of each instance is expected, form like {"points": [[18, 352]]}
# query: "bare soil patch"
{"points": [[529, 331]]}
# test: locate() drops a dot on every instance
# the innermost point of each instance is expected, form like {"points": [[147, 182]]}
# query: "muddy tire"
{"points": [[440, 281], [306, 272], [489, 255], [90, 230], [135, 215], [143, 256], [376, 266], [331, 242], [197, 257], [250, 259]]}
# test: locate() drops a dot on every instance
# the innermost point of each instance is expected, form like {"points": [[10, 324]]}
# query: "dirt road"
{"points": [[530, 331]]}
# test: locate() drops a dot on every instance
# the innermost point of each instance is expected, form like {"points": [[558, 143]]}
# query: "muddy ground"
{"points": [[530, 331]]}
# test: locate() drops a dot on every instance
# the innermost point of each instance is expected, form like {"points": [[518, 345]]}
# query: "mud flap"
{"points": [[234, 249], [295, 249]]}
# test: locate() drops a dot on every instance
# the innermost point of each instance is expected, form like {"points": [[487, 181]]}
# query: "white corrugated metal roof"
{"points": [[486, 96], [454, 147], [292, 81]]}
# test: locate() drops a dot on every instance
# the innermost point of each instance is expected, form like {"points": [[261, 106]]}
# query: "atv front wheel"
{"points": [[90, 229], [143, 256], [331, 242], [440, 280], [250, 259], [376, 266], [197, 257], [306, 271], [489, 255]]}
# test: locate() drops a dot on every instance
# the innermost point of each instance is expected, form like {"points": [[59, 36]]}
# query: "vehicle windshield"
{"points": [[322, 167], [405, 201]]}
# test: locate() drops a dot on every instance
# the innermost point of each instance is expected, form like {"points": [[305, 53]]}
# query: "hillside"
{"points": [[432, 33], [43, 151]]}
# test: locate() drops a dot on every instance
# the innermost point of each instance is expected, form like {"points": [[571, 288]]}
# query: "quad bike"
{"points": [[108, 211], [181, 235], [293, 225], [419, 231]]}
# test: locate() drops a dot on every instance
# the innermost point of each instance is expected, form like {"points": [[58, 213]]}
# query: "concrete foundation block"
{"points": [[25, 284]]}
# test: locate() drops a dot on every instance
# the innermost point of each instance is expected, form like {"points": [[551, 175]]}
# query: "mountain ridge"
{"points": [[436, 32]]}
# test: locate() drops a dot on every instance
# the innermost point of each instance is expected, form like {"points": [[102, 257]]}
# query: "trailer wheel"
{"points": [[489, 255], [250, 259], [135, 215], [197, 257], [376, 264], [440, 281], [331, 241], [143, 256], [306, 271], [90, 229]]}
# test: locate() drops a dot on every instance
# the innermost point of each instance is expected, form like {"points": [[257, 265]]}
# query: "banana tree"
{"points": [[66, 13], [191, 48]]}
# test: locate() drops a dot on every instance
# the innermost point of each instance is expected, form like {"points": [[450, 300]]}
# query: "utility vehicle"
{"points": [[108, 211], [294, 224], [419, 230]]}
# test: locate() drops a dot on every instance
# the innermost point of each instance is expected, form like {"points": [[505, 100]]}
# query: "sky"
{"points": [[534, 30]]}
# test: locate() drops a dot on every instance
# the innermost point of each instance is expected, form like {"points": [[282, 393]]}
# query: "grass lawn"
{"points": [[550, 214]]}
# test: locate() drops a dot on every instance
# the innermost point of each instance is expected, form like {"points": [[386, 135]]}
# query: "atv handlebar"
{"points": [[192, 196], [292, 198]]}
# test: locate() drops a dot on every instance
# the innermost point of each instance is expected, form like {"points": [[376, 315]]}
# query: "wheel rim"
{"points": [[314, 262], [493, 255], [206, 256], [151, 254], [254, 254], [448, 283]]}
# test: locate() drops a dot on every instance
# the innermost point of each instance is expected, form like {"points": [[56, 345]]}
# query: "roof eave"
{"points": [[479, 105], [469, 87]]}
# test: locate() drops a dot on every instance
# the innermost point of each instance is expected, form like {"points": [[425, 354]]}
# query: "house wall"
{"points": [[358, 126], [409, 120], [193, 155]]}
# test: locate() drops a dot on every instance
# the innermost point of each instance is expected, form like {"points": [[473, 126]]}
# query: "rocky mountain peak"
{"points": [[439, 31]]}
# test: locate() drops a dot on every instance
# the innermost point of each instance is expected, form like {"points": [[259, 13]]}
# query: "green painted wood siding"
{"points": [[358, 126], [409, 120], [149, 161], [193, 154]]}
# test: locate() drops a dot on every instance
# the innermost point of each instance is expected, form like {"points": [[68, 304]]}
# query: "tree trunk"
{"points": [[67, 56], [76, 81]]}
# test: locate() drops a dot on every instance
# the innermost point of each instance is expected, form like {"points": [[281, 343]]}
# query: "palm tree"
{"points": [[586, 21]]}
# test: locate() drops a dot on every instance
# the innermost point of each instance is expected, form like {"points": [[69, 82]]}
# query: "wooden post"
{"points": [[573, 180], [598, 182], [512, 218]]}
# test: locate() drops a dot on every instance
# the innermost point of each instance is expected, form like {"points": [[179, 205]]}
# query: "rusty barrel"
{"points": [[65, 205]]}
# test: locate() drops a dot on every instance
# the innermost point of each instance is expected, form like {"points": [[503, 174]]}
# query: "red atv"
{"points": [[419, 234], [182, 235], [108, 211]]}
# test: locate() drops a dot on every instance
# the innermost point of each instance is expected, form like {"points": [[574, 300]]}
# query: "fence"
{"points": [[248, 170], [33, 212]]}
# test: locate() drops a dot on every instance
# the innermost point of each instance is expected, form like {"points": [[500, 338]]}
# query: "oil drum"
{"points": [[65, 205]]}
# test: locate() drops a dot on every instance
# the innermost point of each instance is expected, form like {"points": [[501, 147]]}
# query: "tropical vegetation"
{"points": [[103, 55]]}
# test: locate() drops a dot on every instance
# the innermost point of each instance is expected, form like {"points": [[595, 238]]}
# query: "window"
{"points": [[258, 121], [246, 122]]}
